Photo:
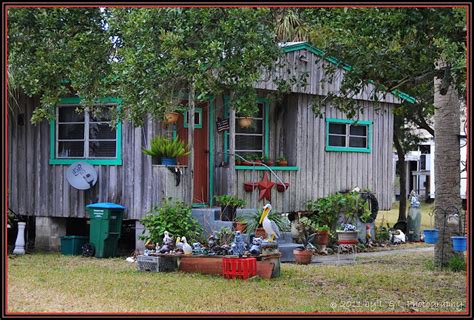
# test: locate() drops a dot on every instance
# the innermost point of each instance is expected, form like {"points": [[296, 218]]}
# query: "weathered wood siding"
{"points": [[40, 189], [321, 172], [319, 80]]}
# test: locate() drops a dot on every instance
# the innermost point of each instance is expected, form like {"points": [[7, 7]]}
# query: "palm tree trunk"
{"points": [[446, 165]]}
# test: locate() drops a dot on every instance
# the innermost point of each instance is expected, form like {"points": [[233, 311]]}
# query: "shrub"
{"points": [[172, 216], [456, 264], [230, 201], [167, 148]]}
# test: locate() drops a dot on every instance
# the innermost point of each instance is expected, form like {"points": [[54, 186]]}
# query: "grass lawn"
{"points": [[392, 216], [392, 283]]}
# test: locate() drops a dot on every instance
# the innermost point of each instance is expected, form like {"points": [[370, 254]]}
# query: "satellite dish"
{"points": [[81, 175]]}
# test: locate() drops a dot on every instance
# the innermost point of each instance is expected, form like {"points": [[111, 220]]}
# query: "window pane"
{"points": [[337, 141], [100, 114], [70, 131], [359, 130], [71, 149], [259, 114], [68, 114], [338, 128], [358, 142], [256, 127], [101, 131], [248, 142], [102, 149]]}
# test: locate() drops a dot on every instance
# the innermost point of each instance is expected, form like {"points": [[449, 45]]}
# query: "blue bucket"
{"points": [[168, 161], [431, 236], [459, 243]]}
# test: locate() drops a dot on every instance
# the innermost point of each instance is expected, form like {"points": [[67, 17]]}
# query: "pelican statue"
{"points": [[269, 226]]}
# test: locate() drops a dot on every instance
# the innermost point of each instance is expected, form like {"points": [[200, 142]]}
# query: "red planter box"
{"points": [[281, 187], [250, 186]]}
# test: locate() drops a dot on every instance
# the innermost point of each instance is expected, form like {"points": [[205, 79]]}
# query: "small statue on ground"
{"points": [[256, 249]]}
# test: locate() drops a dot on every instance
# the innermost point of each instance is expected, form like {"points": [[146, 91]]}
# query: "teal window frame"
{"points": [[367, 123], [94, 161], [196, 126], [266, 126]]}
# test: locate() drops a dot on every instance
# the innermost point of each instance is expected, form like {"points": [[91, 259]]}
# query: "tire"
{"points": [[374, 205], [88, 250]]}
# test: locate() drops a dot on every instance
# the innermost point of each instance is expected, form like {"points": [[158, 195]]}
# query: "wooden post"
{"points": [[232, 176], [191, 110]]}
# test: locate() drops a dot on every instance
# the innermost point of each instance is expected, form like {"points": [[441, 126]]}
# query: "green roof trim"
{"points": [[338, 63]]}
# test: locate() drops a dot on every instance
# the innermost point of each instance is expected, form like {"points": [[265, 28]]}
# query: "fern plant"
{"points": [[163, 147]]}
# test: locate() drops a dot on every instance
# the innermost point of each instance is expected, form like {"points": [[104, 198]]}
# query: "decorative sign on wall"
{"points": [[265, 186], [222, 125], [81, 175]]}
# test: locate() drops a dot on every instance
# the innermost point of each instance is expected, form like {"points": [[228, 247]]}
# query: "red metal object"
{"points": [[241, 268], [265, 186], [250, 186], [281, 187]]}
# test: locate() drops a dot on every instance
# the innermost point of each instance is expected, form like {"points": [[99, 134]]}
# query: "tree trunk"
{"points": [[401, 166], [232, 175], [446, 166], [191, 110]]}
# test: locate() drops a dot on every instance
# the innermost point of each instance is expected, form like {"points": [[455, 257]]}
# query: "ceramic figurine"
{"points": [[256, 246], [197, 249], [268, 225], [167, 239], [187, 249], [238, 246], [179, 245]]}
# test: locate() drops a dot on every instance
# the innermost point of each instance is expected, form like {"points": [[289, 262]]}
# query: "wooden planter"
{"points": [[171, 117], [302, 256], [245, 122], [350, 236]]}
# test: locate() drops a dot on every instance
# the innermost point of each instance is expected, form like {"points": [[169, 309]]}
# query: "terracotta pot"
{"points": [[283, 163], [281, 187], [245, 122], [269, 163], [258, 162], [240, 226], [322, 238], [171, 117], [260, 232], [303, 256]]}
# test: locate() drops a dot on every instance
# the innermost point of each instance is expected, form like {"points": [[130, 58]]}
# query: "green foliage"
{"points": [[309, 232], [456, 264], [172, 216], [225, 236], [281, 158], [240, 219], [230, 201], [167, 148]]}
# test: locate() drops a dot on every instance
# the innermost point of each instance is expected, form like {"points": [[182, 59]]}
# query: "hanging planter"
{"points": [[245, 122], [282, 187], [250, 186], [431, 236], [459, 243], [171, 117]]}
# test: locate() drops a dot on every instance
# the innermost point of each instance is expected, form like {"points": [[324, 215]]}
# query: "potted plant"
{"points": [[167, 150], [347, 233], [240, 224], [258, 160], [248, 159], [281, 161], [304, 255], [172, 216], [253, 225], [245, 122], [267, 161], [229, 205], [322, 235]]}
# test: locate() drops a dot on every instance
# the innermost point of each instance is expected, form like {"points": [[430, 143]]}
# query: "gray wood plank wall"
{"points": [[41, 189], [321, 172]]}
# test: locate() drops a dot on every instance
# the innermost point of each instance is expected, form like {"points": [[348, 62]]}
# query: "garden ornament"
{"points": [[397, 236], [269, 226], [187, 249], [256, 246], [167, 239], [238, 246], [414, 203]]}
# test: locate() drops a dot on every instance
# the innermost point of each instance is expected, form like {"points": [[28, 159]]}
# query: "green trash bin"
{"points": [[72, 245], [105, 228]]}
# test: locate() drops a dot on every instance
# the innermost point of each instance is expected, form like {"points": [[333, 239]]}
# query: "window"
{"points": [[348, 135], [197, 119], [251, 140], [85, 136]]}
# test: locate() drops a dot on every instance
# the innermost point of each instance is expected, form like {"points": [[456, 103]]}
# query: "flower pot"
{"points": [[228, 213], [283, 163], [171, 117], [302, 256], [258, 162], [431, 235], [240, 226], [281, 187], [350, 236], [250, 186], [459, 243], [245, 122], [260, 232], [322, 238], [168, 161], [268, 163]]}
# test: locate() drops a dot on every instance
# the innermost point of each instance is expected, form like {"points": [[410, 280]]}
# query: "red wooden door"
{"points": [[201, 152]]}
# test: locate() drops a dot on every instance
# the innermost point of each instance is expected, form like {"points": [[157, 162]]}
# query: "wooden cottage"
{"points": [[325, 155]]}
